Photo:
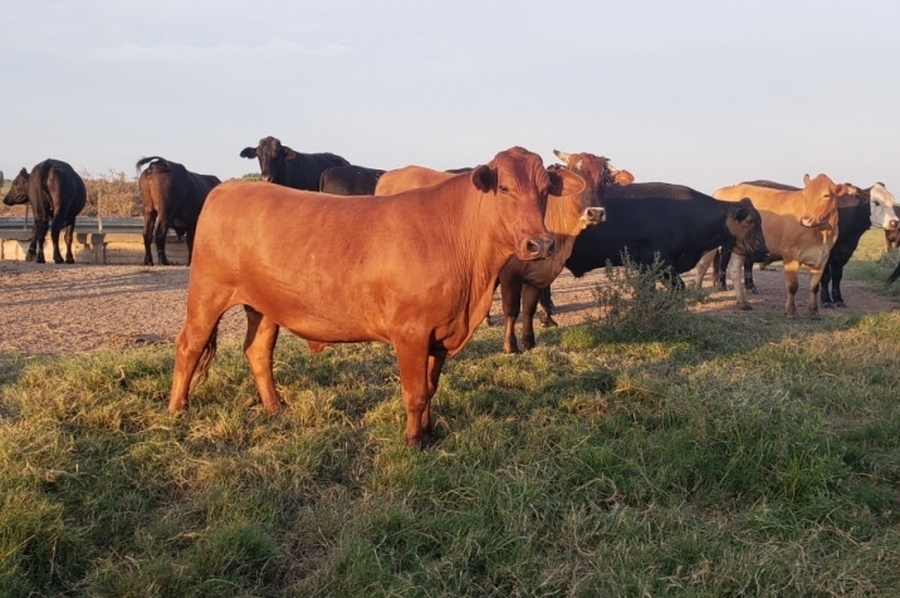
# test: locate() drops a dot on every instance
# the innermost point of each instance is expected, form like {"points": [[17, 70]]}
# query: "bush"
{"points": [[636, 304]]}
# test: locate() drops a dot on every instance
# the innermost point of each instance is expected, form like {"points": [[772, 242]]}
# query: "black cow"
{"points": [[281, 165], [172, 196], [672, 223], [349, 180], [857, 212], [57, 195]]}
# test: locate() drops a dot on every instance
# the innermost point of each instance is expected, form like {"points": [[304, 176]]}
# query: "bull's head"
{"points": [[271, 155], [18, 192], [821, 195]]}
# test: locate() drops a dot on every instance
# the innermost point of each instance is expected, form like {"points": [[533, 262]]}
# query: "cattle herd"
{"points": [[420, 251]]}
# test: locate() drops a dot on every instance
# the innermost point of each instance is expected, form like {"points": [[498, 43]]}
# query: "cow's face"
{"points": [[18, 192], [271, 155], [597, 172], [519, 185], [820, 195], [745, 225], [881, 203]]}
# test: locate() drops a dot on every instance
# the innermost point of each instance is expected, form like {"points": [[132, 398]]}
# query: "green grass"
{"points": [[747, 457]]}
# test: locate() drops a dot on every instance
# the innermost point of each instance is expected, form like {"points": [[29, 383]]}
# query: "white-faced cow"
{"points": [[349, 180], [858, 211], [281, 165], [56, 195], [415, 270], [172, 196]]}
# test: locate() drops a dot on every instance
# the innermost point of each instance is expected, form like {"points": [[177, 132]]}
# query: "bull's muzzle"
{"points": [[540, 247], [593, 216]]}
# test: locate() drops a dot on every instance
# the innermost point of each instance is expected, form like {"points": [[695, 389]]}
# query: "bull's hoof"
{"points": [[721, 287], [549, 322], [815, 316], [70, 260], [827, 304], [745, 307], [840, 304], [488, 321], [751, 288], [40, 260], [148, 261], [510, 349], [163, 262]]}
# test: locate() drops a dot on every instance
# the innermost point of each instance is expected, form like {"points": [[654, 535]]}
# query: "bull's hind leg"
{"points": [[262, 333], [196, 344]]}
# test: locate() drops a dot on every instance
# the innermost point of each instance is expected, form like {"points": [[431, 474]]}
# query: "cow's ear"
{"points": [[623, 178], [23, 172], [844, 189], [565, 182], [742, 209], [287, 153], [248, 152], [805, 180], [484, 178]]}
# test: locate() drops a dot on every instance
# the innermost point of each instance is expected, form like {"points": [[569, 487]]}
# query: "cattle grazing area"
{"points": [[727, 453]]}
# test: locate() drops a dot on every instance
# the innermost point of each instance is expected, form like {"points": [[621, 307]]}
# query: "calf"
{"points": [[172, 196], [56, 195], [415, 270]]}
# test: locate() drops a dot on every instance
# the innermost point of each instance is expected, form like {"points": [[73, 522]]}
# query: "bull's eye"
{"points": [[504, 189]]}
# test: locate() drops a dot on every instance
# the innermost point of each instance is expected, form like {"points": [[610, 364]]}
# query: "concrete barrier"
{"points": [[114, 241]]}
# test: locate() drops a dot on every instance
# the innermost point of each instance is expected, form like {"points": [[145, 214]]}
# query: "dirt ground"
{"points": [[67, 309]]}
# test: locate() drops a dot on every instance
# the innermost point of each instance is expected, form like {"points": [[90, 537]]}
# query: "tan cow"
{"points": [[800, 228], [416, 270]]}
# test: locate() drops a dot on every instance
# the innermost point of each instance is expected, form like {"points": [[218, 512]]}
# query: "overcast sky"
{"points": [[702, 93]]}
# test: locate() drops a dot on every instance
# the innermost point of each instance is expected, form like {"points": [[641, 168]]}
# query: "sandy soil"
{"points": [[66, 309]]}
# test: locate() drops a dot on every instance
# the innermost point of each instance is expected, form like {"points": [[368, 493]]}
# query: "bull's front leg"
{"points": [[791, 285], [418, 382], [812, 306], [735, 270]]}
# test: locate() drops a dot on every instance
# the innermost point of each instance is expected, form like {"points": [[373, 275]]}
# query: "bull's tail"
{"points": [[205, 360], [157, 161]]}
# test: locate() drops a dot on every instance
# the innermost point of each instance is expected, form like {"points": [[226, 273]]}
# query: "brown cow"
{"points": [[892, 236], [172, 196], [409, 177], [521, 283], [565, 218], [415, 270], [800, 228]]}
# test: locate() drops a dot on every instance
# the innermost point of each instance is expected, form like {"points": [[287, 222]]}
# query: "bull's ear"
{"points": [[288, 153], [623, 177], [248, 152], [844, 189], [484, 178], [565, 182], [23, 172], [805, 180]]}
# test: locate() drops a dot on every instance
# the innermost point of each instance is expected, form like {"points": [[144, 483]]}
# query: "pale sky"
{"points": [[701, 93]]}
